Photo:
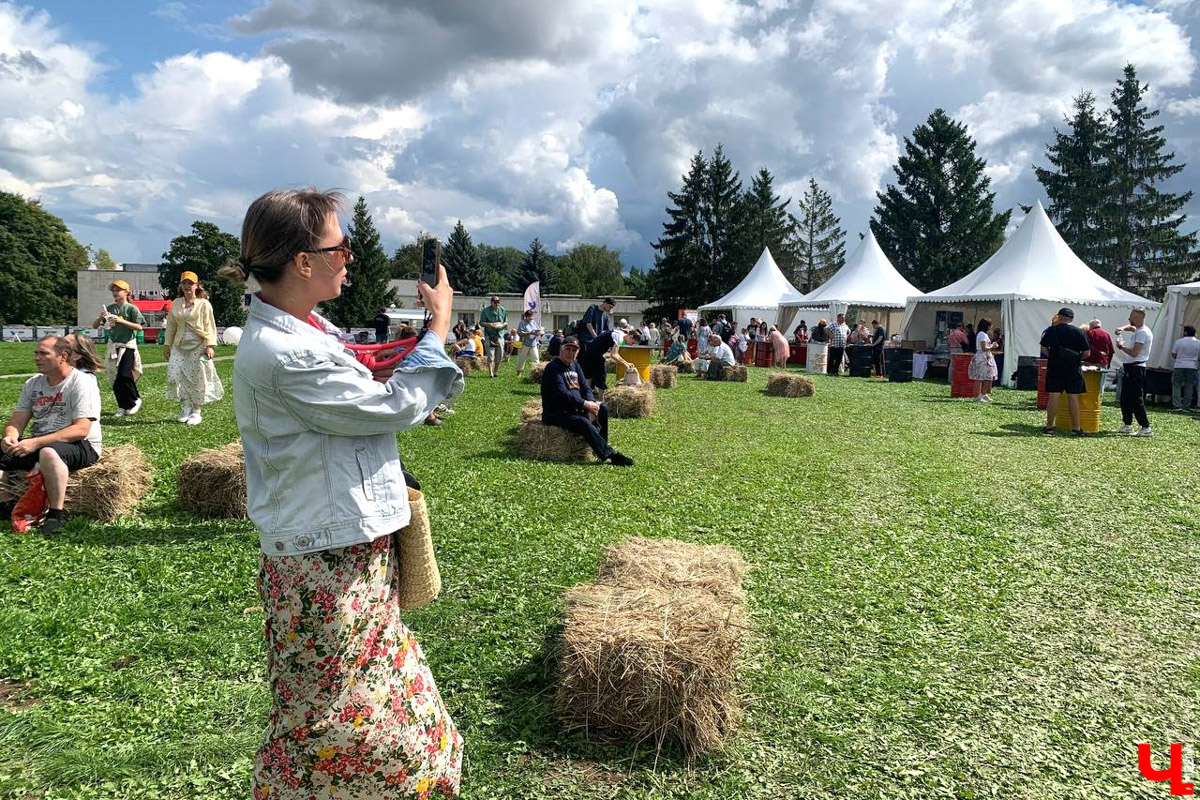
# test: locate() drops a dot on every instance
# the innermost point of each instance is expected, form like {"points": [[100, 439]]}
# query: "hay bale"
{"points": [[784, 384], [536, 371], [664, 376], [636, 562], [737, 374], [686, 367], [212, 483], [630, 401], [551, 443], [467, 365], [650, 665], [110, 488], [531, 410]]}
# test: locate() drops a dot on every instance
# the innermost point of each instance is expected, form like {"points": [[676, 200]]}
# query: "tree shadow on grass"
{"points": [[1024, 429]]}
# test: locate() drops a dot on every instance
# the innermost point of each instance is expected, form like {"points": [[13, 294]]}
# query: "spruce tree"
{"points": [[939, 222], [537, 265], [818, 241], [1147, 250], [463, 264], [368, 275], [766, 223], [722, 208], [1077, 184], [682, 248]]}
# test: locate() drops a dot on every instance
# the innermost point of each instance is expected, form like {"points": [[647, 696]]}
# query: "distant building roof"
{"points": [[131, 267]]}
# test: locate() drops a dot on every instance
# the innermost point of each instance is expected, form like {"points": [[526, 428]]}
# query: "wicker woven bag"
{"points": [[420, 582]]}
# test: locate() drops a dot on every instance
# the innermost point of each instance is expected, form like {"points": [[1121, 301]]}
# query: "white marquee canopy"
{"points": [[868, 281], [1182, 307], [1021, 287], [759, 294]]}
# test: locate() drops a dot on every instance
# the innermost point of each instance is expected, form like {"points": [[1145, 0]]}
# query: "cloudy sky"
{"points": [[563, 119]]}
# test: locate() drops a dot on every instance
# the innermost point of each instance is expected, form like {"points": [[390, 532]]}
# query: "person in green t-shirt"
{"points": [[495, 322], [122, 362]]}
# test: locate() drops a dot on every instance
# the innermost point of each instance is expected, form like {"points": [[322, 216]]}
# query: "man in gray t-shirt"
{"points": [[61, 407]]}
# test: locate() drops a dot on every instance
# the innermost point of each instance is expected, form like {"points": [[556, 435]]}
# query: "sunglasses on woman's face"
{"points": [[343, 247]]}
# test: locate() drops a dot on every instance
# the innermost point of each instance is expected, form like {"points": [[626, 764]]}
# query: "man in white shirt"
{"points": [[1133, 374], [1186, 352], [719, 356], [64, 406]]}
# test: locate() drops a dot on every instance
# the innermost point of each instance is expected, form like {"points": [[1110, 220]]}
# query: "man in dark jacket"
{"points": [[567, 402], [381, 323]]}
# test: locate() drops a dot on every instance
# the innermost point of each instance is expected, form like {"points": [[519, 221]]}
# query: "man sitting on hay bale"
{"points": [[64, 405], [568, 403], [719, 356]]}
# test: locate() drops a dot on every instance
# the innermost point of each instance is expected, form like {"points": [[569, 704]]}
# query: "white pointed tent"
{"points": [[1020, 288], [1182, 308], [867, 283], [759, 294]]}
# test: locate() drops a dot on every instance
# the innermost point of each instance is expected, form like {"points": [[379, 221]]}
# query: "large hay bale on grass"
{"points": [[531, 410], [686, 367], [551, 443], [467, 365], [650, 665], [664, 376], [110, 488], [212, 483], [785, 384], [536, 371], [737, 374], [636, 562], [630, 401]]}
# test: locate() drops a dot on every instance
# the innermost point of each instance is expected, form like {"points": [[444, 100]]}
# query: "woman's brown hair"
{"points": [[278, 225]]}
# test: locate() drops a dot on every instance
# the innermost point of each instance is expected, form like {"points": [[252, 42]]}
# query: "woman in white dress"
{"points": [[189, 339], [982, 368]]}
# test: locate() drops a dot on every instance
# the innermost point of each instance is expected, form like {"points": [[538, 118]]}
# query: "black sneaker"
{"points": [[53, 525], [620, 460], [1081, 433], [1047, 431]]}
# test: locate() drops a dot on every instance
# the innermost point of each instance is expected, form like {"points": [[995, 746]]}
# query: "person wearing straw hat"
{"points": [[190, 337], [122, 361], [353, 694]]}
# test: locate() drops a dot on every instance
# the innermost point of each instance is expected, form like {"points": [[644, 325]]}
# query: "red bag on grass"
{"points": [[31, 508]]}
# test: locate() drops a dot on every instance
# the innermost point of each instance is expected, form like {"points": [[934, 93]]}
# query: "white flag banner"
{"points": [[533, 301]]}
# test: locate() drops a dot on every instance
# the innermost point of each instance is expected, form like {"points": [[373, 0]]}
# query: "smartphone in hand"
{"points": [[430, 258]]}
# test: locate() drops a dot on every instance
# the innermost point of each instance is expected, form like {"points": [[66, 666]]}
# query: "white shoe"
{"points": [[120, 412], [1144, 433], [194, 418], [1125, 429], [987, 398], [137, 404], [981, 399], [185, 413]]}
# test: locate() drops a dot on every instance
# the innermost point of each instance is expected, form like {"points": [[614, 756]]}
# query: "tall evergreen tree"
{"points": [[674, 281], [537, 265], [38, 261], [204, 251], [368, 275], [939, 223], [1078, 183], [463, 264], [723, 211], [501, 267], [818, 240], [1148, 251], [406, 261], [766, 223]]}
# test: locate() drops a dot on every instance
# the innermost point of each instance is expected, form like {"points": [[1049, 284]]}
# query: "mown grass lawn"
{"points": [[946, 604], [16, 358]]}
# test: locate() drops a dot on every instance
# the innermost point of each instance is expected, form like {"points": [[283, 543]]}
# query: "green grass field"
{"points": [[945, 604], [17, 358]]}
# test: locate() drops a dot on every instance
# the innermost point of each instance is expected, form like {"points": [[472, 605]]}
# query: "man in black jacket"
{"points": [[567, 402]]}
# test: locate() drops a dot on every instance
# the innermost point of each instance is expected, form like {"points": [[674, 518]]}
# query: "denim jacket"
{"points": [[319, 433]]}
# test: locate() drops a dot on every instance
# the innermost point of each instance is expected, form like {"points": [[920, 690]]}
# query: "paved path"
{"points": [[144, 368]]}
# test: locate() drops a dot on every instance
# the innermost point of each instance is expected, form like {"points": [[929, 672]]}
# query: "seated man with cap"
{"points": [[567, 402], [719, 356]]}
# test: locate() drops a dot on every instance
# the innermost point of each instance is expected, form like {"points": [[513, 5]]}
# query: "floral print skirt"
{"points": [[982, 367], [357, 715], [192, 380]]}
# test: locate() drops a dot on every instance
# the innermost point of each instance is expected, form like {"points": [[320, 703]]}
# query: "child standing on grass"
{"points": [[123, 361], [356, 712]]}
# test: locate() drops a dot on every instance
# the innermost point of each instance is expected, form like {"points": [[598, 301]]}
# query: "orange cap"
{"points": [[120, 285], [189, 276]]}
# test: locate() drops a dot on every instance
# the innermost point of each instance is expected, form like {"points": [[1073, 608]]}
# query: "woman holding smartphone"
{"points": [[356, 711]]}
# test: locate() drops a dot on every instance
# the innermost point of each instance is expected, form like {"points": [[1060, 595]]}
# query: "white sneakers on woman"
{"points": [[186, 412], [194, 418]]}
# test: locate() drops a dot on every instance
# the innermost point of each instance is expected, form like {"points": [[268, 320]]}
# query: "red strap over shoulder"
{"points": [[365, 353]]}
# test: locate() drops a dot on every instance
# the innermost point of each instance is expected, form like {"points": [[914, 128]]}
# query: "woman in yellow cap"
{"points": [[122, 361], [188, 342]]}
